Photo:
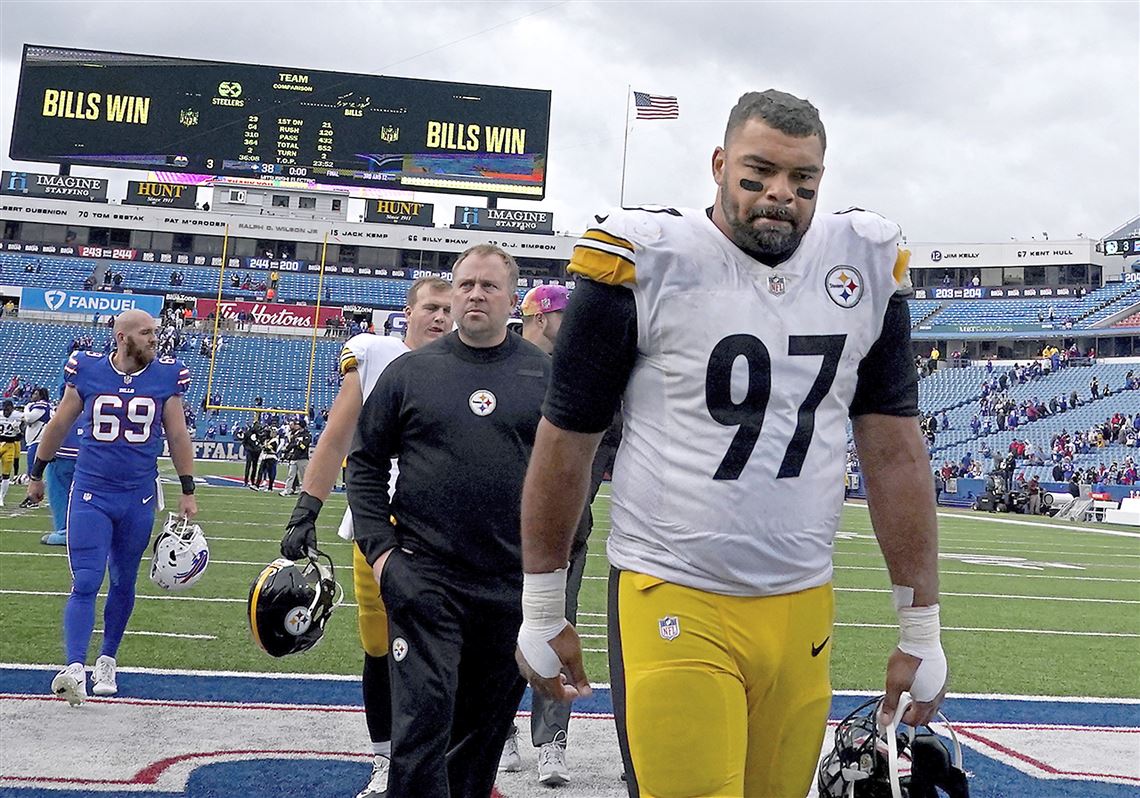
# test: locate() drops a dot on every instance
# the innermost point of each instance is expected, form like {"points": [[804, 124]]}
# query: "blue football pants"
{"points": [[57, 481], [107, 531]]}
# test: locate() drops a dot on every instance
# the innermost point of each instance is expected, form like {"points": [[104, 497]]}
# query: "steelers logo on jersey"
{"points": [[482, 403], [844, 285]]}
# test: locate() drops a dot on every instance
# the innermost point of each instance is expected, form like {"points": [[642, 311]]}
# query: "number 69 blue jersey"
{"points": [[122, 417]]}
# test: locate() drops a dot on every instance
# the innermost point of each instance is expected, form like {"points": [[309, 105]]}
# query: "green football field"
{"points": [[1029, 606]]}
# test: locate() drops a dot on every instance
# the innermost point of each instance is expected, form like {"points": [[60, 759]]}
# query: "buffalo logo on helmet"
{"points": [[179, 555], [290, 603]]}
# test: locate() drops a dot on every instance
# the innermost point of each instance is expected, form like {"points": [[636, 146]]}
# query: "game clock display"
{"points": [[119, 110]]}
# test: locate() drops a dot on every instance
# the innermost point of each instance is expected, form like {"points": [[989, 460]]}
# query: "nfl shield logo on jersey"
{"points": [[776, 285], [669, 627], [845, 286]]}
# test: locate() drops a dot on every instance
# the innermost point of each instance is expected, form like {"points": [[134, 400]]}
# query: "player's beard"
{"points": [[770, 244], [138, 354]]}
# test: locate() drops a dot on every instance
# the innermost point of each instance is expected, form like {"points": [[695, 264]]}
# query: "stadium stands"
{"points": [[1086, 312]]}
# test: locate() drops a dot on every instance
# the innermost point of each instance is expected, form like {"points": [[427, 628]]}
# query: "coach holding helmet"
{"points": [[461, 413]]}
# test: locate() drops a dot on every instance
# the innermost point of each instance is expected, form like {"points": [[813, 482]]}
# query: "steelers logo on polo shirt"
{"points": [[844, 285], [482, 403]]}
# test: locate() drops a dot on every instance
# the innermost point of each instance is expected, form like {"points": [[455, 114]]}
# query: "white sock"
{"points": [[4, 485], [382, 749]]}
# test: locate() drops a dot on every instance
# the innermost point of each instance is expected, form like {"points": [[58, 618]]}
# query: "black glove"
{"points": [[301, 533]]}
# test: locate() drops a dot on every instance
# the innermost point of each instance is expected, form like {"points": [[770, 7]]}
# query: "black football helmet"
{"points": [[290, 603], [872, 761]]}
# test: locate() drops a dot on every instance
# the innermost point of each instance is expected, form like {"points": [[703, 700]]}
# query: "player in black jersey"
{"points": [[461, 414]]}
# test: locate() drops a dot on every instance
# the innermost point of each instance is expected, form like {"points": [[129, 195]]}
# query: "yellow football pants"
{"points": [[715, 695], [9, 451], [371, 616]]}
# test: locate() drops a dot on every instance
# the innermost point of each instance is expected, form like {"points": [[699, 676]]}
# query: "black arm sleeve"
{"points": [[888, 380], [593, 357], [370, 469]]}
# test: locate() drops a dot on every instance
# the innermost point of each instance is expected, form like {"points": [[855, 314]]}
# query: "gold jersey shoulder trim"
{"points": [[604, 258], [347, 361]]}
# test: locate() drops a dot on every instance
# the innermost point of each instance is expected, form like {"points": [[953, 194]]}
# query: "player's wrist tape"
{"points": [[37, 469], [187, 484], [920, 635], [544, 616]]}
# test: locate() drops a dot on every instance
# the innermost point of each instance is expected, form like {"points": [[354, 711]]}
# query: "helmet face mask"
{"points": [[896, 761], [179, 555], [290, 603]]}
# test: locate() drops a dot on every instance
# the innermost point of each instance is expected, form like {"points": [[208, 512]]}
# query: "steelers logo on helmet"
{"points": [[482, 403], [844, 285], [290, 603], [298, 620]]}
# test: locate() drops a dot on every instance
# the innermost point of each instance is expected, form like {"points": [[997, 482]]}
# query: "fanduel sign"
{"points": [[504, 219], [56, 300], [32, 184]]}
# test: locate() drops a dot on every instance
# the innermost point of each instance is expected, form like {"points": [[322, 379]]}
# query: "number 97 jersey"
{"points": [[730, 474], [122, 417]]}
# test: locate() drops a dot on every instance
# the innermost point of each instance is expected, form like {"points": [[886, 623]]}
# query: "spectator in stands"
{"points": [[388, 326], [939, 485], [1074, 488], [223, 427], [1073, 399], [945, 422], [118, 280], [107, 275], [1058, 472], [975, 281], [88, 282], [932, 362], [947, 280], [211, 432], [1094, 388]]}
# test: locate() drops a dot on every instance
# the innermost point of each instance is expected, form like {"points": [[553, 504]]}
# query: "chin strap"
{"points": [[890, 731]]}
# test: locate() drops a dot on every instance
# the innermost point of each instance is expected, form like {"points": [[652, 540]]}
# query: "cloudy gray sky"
{"points": [[961, 121]]}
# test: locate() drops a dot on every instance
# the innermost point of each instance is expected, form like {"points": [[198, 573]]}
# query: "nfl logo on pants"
{"points": [[669, 627]]}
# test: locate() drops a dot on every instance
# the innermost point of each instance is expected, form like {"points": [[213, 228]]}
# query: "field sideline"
{"points": [[1031, 609], [1067, 593]]}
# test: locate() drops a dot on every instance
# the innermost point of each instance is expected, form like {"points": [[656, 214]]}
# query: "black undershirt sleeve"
{"points": [[888, 380], [593, 357]]}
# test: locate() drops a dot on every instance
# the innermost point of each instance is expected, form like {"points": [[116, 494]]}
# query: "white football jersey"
{"points": [[730, 473], [369, 355], [11, 426], [36, 417]]}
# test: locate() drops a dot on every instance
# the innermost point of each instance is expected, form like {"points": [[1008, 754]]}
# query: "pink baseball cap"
{"points": [[545, 299]]}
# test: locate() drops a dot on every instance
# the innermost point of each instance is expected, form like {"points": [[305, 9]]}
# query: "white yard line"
{"points": [[1062, 633]]}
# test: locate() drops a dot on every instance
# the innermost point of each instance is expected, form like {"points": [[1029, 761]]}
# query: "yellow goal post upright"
{"points": [[304, 411]]}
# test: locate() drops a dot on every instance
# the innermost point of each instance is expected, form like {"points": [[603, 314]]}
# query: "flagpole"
{"points": [[624, 147]]}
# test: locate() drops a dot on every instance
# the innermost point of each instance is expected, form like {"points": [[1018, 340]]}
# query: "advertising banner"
{"points": [[270, 314], [388, 211], [33, 184], [57, 300], [164, 195]]}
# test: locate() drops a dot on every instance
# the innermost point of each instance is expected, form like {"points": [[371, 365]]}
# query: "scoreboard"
{"points": [[1121, 246], [119, 110]]}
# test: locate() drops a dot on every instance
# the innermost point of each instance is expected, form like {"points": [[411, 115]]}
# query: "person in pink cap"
{"points": [[542, 314]]}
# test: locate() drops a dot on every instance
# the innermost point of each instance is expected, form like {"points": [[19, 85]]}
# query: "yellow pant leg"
{"points": [[685, 710], [371, 616], [9, 451], [788, 695]]}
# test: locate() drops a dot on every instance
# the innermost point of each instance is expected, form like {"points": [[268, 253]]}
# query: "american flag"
{"points": [[654, 106]]}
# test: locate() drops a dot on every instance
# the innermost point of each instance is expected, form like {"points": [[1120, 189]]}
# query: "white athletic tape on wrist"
{"points": [[920, 633], [544, 616]]}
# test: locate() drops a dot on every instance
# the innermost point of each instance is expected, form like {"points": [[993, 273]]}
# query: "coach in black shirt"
{"points": [[460, 414]]}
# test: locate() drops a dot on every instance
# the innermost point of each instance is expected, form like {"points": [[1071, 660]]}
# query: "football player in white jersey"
{"points": [[363, 359], [11, 430], [739, 340]]}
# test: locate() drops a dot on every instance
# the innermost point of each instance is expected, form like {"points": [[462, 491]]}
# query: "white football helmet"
{"points": [[180, 554]]}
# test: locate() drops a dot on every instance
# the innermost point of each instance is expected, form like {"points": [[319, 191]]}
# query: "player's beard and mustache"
{"points": [[135, 353], [769, 244]]}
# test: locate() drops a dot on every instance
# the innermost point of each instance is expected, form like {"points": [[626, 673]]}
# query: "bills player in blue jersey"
{"points": [[127, 400]]}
